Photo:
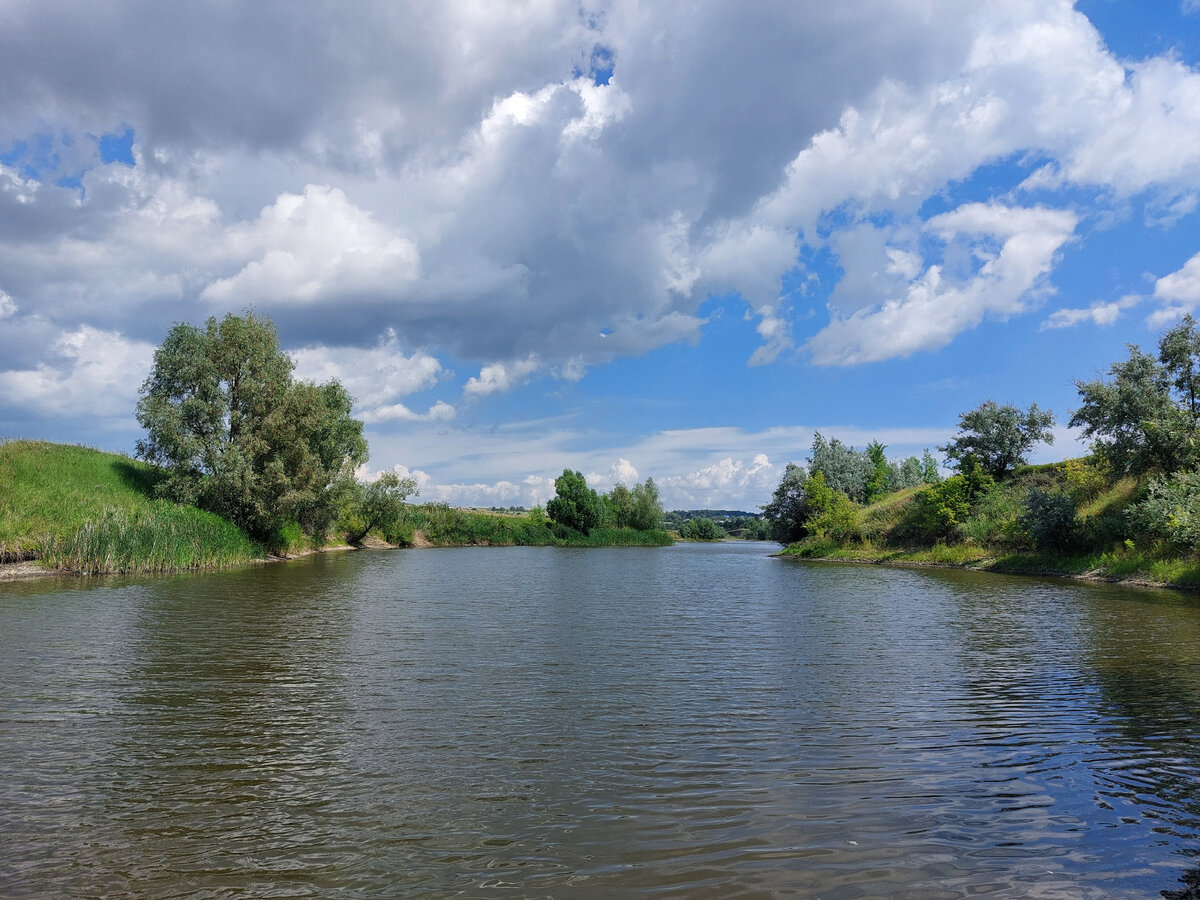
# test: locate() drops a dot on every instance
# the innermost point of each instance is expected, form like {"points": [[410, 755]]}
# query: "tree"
{"points": [[788, 509], [701, 529], [379, 505], [574, 505], [638, 508], [1146, 417], [647, 507], [618, 506], [880, 477], [929, 468], [1000, 436], [238, 437], [846, 470]]}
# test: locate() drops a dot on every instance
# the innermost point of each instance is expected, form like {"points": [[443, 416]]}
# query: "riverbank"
{"points": [[1066, 520], [74, 510], [1118, 567]]}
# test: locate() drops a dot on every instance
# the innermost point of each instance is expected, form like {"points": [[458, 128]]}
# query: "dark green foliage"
{"points": [[639, 508], [700, 529], [938, 512], [1049, 519], [838, 521], [575, 505], [378, 506], [1170, 511], [1145, 417], [788, 510], [846, 470], [1000, 436], [238, 437], [929, 469], [880, 478], [444, 526], [935, 513], [1127, 418], [805, 505]]}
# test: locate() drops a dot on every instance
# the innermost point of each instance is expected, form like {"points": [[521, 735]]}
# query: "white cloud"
{"points": [[1099, 313], [305, 248], [91, 373], [375, 377], [8, 306], [710, 486], [1182, 286], [1009, 251], [501, 377]]}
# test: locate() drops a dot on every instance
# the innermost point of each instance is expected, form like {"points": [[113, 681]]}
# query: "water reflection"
{"points": [[694, 721]]}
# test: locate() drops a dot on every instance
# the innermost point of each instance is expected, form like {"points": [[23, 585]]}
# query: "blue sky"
{"points": [[638, 242]]}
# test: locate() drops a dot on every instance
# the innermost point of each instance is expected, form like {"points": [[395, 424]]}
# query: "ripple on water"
{"points": [[692, 721]]}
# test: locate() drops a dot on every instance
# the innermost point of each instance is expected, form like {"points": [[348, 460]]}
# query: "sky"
{"points": [[664, 240]]}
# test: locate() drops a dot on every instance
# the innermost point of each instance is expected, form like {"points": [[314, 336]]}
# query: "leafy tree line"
{"points": [[1139, 488], [821, 497], [238, 436], [578, 507]]}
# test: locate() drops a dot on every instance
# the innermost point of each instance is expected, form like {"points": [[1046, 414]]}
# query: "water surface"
{"points": [[696, 721]]}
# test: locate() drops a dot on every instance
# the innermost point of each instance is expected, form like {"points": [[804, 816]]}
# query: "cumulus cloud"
{"points": [[314, 246], [456, 173], [711, 485], [87, 373], [376, 377], [500, 377], [1008, 250], [1099, 313]]}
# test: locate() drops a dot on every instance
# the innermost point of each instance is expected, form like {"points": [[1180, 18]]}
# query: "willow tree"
{"points": [[238, 436]]}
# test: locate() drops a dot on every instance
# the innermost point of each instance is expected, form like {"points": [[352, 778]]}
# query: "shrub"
{"points": [[838, 521], [1049, 519], [1170, 511], [701, 529]]}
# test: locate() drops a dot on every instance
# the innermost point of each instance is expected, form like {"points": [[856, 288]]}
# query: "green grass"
{"points": [[993, 539], [92, 512], [444, 526]]}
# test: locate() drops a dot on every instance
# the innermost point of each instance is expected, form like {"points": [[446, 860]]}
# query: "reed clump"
{"points": [[86, 511]]}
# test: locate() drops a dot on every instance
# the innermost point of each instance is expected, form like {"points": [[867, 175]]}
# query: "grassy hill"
{"points": [[86, 511], [90, 512], [1100, 539]]}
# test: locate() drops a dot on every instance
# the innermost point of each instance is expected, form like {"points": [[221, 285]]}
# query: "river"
{"points": [[692, 721]]}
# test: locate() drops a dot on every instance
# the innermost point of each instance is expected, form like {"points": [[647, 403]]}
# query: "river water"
{"points": [[693, 721]]}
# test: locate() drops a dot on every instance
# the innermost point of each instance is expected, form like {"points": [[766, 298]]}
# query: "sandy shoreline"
{"points": [[19, 571]]}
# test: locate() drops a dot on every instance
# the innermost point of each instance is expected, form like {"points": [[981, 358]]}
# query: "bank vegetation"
{"points": [[1129, 511]]}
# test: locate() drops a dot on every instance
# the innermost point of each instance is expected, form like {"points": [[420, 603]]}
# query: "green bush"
{"points": [[936, 512], [1170, 511], [838, 521], [701, 529], [1049, 519], [992, 519]]}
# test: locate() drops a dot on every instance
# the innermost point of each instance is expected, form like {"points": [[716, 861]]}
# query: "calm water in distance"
{"points": [[696, 721]]}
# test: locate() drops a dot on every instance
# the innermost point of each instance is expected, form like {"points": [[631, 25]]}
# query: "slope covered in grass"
{"points": [[1100, 538], [87, 511]]}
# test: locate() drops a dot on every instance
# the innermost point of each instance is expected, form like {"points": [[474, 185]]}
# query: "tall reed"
{"points": [[162, 538]]}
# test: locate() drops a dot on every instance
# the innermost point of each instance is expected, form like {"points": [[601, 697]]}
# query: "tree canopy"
{"points": [[238, 436], [999, 437], [574, 504], [1145, 417], [638, 508]]}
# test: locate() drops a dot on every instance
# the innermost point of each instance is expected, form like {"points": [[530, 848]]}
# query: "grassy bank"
{"points": [[443, 526], [86, 511], [1099, 539]]}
